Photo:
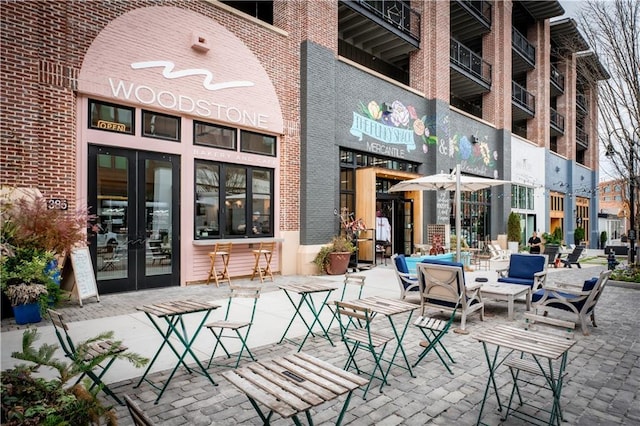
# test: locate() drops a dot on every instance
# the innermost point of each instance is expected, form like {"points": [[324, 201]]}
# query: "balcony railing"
{"points": [[522, 45], [557, 120], [523, 98], [557, 77], [582, 137], [483, 7], [581, 102], [470, 61], [395, 12]]}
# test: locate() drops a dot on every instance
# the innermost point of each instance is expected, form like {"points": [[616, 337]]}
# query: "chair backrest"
{"points": [[268, 246], [441, 281], [399, 263], [62, 332], [525, 265], [221, 248], [593, 298], [352, 316], [575, 254], [138, 416], [246, 292], [353, 280]]}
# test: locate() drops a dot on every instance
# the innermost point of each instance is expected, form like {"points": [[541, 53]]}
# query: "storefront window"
{"points": [[110, 117], [214, 136], [257, 143], [232, 201], [160, 126], [521, 197]]}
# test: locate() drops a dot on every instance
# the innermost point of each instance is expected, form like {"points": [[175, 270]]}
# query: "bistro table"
{"points": [[306, 291], [293, 384], [542, 348], [172, 313], [390, 308]]}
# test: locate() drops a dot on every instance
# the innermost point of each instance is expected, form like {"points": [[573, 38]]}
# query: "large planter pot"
{"points": [[338, 263], [513, 247], [27, 314]]}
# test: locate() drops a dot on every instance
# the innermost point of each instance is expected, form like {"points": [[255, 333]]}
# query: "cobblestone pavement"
{"points": [[601, 388]]}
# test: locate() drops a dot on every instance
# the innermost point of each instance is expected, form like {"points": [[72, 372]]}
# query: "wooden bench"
{"points": [[293, 384]]}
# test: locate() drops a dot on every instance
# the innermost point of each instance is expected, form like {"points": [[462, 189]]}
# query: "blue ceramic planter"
{"points": [[27, 314]]}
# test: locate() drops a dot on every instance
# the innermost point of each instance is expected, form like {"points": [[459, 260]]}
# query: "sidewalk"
{"points": [[603, 372]]}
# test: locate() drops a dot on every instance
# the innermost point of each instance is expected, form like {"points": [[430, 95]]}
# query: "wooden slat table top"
{"points": [[384, 306], [315, 287], [294, 383], [178, 307], [503, 289], [530, 342]]}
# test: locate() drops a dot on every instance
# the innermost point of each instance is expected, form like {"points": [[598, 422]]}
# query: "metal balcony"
{"points": [[557, 123], [524, 54], [524, 102], [582, 138], [557, 81], [470, 19], [470, 74], [582, 104]]}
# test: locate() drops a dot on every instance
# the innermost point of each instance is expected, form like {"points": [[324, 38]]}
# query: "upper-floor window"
{"points": [[257, 143], [263, 10], [111, 117], [521, 197]]}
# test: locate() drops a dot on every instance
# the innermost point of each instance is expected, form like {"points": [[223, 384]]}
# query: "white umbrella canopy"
{"points": [[454, 181]]}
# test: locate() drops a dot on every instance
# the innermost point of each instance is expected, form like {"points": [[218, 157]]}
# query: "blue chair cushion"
{"points": [[511, 280], [589, 284], [537, 295], [525, 265], [401, 264]]}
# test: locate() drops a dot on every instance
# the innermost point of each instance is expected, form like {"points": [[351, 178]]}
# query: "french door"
{"points": [[135, 197]]}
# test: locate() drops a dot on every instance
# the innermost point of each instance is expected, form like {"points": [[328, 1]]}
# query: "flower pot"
{"points": [[338, 263], [27, 314]]}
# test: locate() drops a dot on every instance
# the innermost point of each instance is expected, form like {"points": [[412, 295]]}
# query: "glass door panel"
{"points": [[136, 199]]}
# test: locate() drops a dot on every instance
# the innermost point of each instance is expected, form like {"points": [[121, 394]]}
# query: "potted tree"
{"points": [[513, 232], [603, 239], [578, 236], [333, 258]]}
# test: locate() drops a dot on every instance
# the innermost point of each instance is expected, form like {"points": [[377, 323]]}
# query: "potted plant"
{"points": [[333, 258], [513, 232], [28, 399], [578, 236], [27, 283], [30, 233]]}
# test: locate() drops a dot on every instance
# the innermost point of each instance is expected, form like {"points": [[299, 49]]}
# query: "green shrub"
{"points": [[513, 227]]}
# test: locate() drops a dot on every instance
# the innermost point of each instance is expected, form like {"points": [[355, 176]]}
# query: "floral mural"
{"points": [[476, 157], [393, 123]]}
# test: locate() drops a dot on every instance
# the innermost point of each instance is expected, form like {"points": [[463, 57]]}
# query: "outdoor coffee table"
{"points": [[508, 292], [293, 384], [173, 315]]}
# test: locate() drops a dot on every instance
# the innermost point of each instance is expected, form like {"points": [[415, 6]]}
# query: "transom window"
{"points": [[111, 117]]}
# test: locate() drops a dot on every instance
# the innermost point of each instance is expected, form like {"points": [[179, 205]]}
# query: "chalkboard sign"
{"points": [[85, 280], [443, 207]]}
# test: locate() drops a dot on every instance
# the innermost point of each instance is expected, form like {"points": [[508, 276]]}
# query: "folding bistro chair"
{"points": [[433, 330], [222, 250], [240, 329], [265, 251], [89, 357], [350, 280], [138, 416], [355, 328]]}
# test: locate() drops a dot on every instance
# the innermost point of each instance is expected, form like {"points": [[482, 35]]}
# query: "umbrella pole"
{"points": [[458, 214]]}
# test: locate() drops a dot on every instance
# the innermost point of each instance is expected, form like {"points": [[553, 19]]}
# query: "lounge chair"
{"points": [[441, 286], [573, 258], [578, 300], [408, 282], [525, 269]]}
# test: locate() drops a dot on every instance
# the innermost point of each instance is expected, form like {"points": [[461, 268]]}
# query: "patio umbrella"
{"points": [[448, 181]]}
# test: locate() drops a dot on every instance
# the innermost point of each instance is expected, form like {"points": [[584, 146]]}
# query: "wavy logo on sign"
{"points": [[207, 83]]}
